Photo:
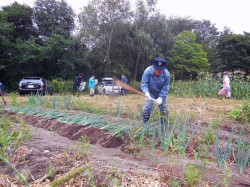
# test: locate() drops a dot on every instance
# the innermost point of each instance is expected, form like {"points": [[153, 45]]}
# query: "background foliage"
{"points": [[109, 38]]}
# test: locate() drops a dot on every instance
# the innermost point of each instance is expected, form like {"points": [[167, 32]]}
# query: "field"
{"points": [[101, 141]]}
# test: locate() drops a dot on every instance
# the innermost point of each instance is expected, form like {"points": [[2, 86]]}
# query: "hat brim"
{"points": [[159, 67]]}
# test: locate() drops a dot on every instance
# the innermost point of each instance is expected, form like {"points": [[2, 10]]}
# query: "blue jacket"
{"points": [[157, 86], [2, 86], [124, 79], [91, 83]]}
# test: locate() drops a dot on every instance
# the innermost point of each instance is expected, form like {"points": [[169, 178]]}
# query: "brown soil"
{"points": [[57, 144]]}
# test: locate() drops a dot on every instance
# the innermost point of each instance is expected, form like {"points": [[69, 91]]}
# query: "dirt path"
{"points": [[102, 158]]}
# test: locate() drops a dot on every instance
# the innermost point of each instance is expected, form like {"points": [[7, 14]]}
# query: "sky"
{"points": [[233, 14]]}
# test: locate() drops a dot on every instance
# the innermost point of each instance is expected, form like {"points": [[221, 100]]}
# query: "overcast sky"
{"points": [[233, 14]]}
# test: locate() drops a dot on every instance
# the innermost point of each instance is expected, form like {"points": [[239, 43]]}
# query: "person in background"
{"points": [[2, 89], [77, 82], [225, 88], [155, 85], [124, 80], [92, 85]]}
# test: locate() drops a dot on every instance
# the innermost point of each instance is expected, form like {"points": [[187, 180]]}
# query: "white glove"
{"points": [[158, 101], [147, 94]]}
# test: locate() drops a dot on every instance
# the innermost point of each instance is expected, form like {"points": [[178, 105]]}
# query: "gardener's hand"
{"points": [[147, 94], [158, 101]]}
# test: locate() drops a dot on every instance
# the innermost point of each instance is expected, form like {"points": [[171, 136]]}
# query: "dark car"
{"points": [[33, 85]]}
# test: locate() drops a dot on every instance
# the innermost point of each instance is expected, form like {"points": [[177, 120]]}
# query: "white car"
{"points": [[108, 86]]}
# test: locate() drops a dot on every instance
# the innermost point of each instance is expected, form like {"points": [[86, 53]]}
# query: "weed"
{"points": [[174, 183], [62, 180], [83, 148], [241, 113], [235, 113], [226, 180], [209, 137], [51, 172], [192, 175], [202, 152], [113, 176], [7, 137]]}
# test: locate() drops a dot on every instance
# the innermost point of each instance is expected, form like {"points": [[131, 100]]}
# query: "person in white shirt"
{"points": [[225, 88]]}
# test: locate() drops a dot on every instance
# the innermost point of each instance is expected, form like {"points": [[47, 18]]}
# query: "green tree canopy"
{"points": [[188, 57], [98, 23], [21, 18], [54, 17], [235, 52]]}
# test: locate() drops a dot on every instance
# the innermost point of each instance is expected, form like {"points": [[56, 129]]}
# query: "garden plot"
{"points": [[155, 157]]}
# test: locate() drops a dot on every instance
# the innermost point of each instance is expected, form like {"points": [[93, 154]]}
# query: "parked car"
{"points": [[108, 86], [33, 85]]}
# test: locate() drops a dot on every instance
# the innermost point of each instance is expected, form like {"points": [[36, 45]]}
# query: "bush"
{"points": [[136, 85], [242, 113], [62, 86]]}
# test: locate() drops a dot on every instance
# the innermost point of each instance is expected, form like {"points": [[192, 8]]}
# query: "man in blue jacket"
{"points": [[155, 85]]}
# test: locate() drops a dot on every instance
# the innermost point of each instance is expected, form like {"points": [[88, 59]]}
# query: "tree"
{"points": [[98, 23], [16, 30], [6, 30], [234, 52], [188, 57], [53, 17], [160, 34], [176, 25], [208, 35], [21, 18], [142, 41]]}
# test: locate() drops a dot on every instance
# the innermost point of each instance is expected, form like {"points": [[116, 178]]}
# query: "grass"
{"points": [[205, 109]]}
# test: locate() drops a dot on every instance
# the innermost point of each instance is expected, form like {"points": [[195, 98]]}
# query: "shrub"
{"points": [[241, 113]]}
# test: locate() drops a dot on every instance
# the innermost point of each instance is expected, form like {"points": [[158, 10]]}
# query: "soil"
{"points": [[57, 144]]}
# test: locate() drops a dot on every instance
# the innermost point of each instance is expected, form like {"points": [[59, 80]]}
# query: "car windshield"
{"points": [[109, 83], [34, 80]]}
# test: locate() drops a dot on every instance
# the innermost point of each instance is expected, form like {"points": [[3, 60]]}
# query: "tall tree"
{"points": [[234, 52], [188, 57], [98, 22], [17, 30], [160, 34], [54, 17], [208, 35], [142, 40], [21, 18], [176, 25]]}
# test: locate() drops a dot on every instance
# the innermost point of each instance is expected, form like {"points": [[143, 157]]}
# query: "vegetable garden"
{"points": [[204, 142]]}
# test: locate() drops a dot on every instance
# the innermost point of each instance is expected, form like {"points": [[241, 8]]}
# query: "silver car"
{"points": [[35, 85], [108, 86]]}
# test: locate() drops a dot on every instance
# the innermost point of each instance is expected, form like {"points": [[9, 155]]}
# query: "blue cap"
{"points": [[159, 63]]}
